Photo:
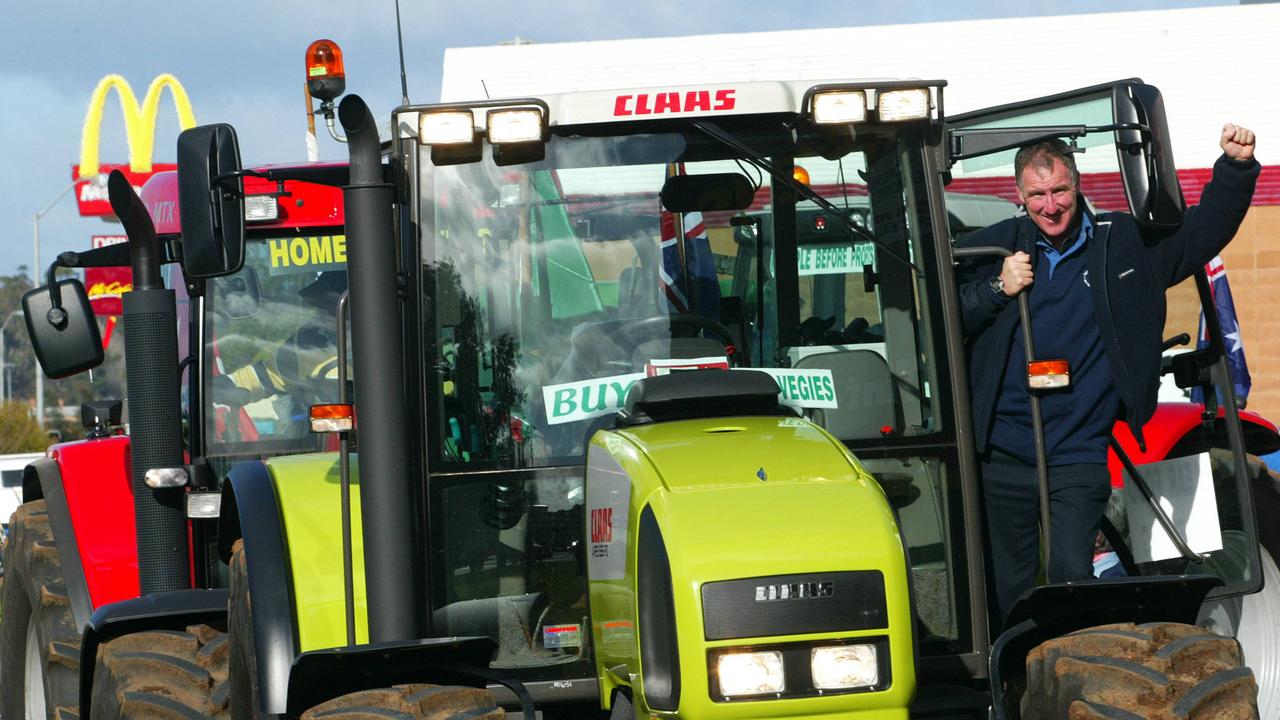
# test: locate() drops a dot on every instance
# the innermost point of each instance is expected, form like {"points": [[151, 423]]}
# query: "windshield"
{"points": [[271, 343], [551, 286]]}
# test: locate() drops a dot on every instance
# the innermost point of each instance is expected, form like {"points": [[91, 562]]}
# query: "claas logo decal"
{"points": [[601, 525], [316, 253], [664, 103]]}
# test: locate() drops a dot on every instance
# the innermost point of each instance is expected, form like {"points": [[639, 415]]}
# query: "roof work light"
{"points": [[446, 127], [839, 106], [519, 125], [326, 78], [899, 105]]}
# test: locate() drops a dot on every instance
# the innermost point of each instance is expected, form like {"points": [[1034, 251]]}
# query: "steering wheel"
{"points": [[682, 325]]}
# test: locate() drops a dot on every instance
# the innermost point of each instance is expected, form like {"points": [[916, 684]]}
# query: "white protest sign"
{"points": [[834, 259], [585, 399], [804, 388], [1183, 487]]}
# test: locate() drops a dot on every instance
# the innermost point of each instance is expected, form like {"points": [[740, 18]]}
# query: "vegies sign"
{"points": [[835, 259], [585, 399]]}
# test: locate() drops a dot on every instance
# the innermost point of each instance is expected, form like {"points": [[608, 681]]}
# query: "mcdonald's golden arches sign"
{"points": [[140, 127]]}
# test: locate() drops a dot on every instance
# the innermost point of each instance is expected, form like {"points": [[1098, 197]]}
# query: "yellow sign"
{"points": [[139, 121], [301, 254]]}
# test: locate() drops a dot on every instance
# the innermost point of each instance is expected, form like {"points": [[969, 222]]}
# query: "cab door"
{"points": [[1182, 504]]}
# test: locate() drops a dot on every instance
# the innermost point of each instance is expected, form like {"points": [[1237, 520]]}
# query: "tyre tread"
{"points": [[1126, 671], [34, 593], [166, 680]]}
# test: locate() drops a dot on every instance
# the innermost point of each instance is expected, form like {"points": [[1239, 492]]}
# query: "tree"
{"points": [[19, 432], [105, 382]]}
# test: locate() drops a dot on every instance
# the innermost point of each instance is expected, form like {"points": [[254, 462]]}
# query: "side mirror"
{"points": [[1146, 162], [64, 334], [240, 295], [211, 200]]}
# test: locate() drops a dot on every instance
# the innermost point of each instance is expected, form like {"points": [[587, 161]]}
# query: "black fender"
{"points": [[251, 512], [172, 610], [42, 480], [1051, 611], [321, 675]]}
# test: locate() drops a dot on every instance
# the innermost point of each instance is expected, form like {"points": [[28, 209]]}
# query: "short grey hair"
{"points": [[1042, 155]]}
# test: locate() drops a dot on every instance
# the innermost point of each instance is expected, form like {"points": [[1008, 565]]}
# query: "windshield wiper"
{"points": [[718, 134]]}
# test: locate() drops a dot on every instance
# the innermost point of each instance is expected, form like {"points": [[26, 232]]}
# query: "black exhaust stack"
{"points": [[378, 352], [155, 416]]}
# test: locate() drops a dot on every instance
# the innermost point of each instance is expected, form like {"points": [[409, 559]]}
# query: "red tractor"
{"points": [[115, 591]]}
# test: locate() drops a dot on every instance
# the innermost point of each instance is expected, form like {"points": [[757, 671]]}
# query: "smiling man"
{"points": [[1097, 300]]}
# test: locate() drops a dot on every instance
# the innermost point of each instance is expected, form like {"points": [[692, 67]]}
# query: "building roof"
{"points": [[1212, 64]]}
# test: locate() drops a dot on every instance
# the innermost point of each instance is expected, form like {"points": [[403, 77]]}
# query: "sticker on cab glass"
{"points": [[556, 637], [586, 399], [839, 259], [315, 253]]}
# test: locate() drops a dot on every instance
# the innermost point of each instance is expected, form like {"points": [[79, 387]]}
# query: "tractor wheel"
{"points": [[407, 702], [162, 674], [243, 665], [1131, 672], [39, 643]]}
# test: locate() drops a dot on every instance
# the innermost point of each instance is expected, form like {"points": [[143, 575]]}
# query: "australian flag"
{"points": [[698, 291], [1226, 310]]}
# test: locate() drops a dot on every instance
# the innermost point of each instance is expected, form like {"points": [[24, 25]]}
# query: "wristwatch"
{"points": [[997, 286]]}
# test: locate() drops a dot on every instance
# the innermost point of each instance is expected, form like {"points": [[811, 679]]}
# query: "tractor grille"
{"points": [[794, 604]]}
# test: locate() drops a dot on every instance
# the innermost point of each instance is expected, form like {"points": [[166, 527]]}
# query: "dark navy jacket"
{"points": [[1138, 266]]}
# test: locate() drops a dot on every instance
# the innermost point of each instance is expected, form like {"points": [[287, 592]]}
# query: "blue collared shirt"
{"points": [[1051, 253], [1077, 419]]}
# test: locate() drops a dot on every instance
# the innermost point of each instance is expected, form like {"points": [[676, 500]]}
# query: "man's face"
{"points": [[1050, 198]]}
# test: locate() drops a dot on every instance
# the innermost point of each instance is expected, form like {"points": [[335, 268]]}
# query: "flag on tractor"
{"points": [[699, 291], [1225, 309]]}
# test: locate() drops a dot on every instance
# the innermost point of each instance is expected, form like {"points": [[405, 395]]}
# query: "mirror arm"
{"points": [[57, 316], [221, 180], [994, 140]]}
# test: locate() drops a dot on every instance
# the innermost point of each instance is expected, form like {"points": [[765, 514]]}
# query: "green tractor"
{"points": [[660, 410]]}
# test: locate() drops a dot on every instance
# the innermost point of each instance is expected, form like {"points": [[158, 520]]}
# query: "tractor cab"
{"points": [[635, 247]]}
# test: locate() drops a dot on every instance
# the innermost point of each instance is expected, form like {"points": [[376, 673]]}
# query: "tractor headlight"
{"points": [[446, 127], [751, 673], [514, 126], [844, 666], [839, 106], [899, 105]]}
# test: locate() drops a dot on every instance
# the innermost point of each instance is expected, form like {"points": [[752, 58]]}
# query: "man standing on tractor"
{"points": [[1098, 301]]}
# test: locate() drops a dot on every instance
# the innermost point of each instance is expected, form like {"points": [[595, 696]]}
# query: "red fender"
{"points": [[1171, 423], [95, 481]]}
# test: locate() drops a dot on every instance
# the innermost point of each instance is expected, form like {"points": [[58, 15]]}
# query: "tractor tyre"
{"points": [[1169, 671], [39, 642], [407, 702], [162, 674], [243, 663]]}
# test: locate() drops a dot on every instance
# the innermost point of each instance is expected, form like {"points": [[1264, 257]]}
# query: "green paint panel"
{"points": [[742, 498], [309, 489]]}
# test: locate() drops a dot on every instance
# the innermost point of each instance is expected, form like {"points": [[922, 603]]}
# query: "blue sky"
{"points": [[241, 62]]}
